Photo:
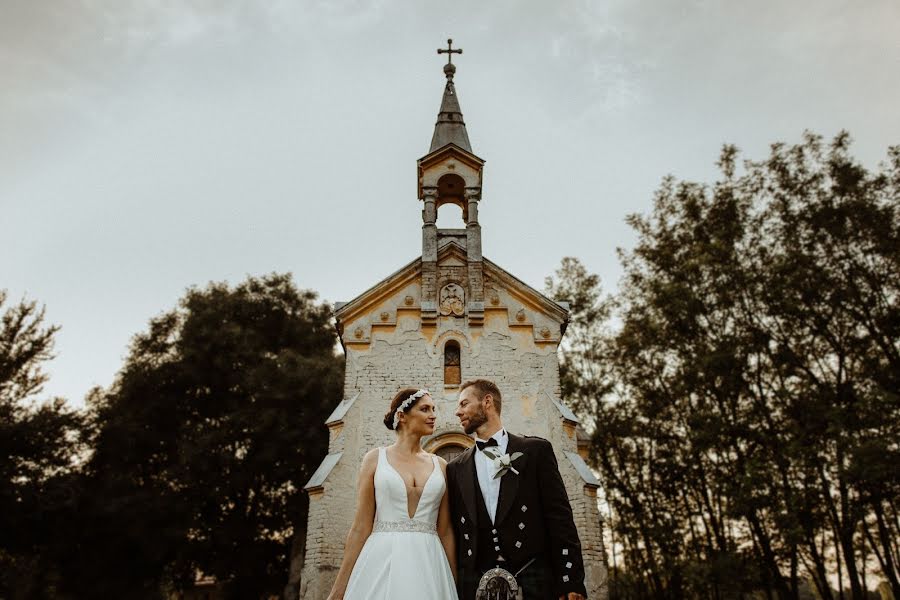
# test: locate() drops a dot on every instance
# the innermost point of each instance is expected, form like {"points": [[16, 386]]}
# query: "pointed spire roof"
{"points": [[450, 127]]}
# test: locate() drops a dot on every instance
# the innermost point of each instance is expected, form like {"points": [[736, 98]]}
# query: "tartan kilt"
{"points": [[536, 582]]}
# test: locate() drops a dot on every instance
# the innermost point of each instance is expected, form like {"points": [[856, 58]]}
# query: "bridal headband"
{"points": [[406, 404]]}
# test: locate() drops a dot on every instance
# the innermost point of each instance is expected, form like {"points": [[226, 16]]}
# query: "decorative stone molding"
{"points": [[545, 336], [436, 348], [476, 314], [429, 227], [473, 195], [429, 313], [429, 290], [429, 197], [357, 336], [453, 300]]}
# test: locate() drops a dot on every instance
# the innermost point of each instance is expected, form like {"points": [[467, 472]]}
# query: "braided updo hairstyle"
{"points": [[396, 402]]}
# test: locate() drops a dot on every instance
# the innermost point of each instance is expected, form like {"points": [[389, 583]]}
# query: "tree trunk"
{"points": [[888, 567]]}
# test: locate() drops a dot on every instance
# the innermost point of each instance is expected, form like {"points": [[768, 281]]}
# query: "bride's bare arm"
{"points": [[363, 522], [444, 527]]}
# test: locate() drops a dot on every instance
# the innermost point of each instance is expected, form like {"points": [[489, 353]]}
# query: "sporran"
{"points": [[498, 584]]}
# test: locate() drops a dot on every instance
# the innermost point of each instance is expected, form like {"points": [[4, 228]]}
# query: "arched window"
{"points": [[452, 370]]}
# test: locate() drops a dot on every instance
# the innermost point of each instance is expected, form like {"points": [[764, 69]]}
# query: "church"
{"points": [[447, 316]]}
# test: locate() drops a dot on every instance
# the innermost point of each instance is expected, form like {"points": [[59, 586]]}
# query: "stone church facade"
{"points": [[448, 316]]}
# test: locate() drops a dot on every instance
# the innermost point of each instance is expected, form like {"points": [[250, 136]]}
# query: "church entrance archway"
{"points": [[448, 445]]}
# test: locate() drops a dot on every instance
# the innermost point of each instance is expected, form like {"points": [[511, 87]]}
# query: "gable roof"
{"points": [[345, 311], [457, 151]]}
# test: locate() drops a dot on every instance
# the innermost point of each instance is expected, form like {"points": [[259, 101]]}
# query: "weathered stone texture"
{"points": [[398, 350]]}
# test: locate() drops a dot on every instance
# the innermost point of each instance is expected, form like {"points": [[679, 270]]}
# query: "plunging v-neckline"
{"points": [[406, 489]]}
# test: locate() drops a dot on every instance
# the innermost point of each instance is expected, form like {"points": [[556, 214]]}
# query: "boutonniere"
{"points": [[502, 462]]}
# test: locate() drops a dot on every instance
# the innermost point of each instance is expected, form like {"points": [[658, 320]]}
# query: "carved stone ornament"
{"points": [[453, 300], [520, 316], [498, 584], [409, 300], [545, 332], [495, 299], [384, 316], [358, 333]]}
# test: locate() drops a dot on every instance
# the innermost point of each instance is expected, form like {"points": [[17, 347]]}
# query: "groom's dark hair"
{"points": [[482, 387]]}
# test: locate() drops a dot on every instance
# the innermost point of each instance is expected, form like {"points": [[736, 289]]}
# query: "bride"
{"points": [[401, 546]]}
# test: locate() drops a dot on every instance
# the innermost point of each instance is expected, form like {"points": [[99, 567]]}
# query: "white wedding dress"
{"points": [[403, 559]]}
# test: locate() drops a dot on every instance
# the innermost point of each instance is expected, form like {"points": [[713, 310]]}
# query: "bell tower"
{"points": [[451, 174], [447, 316]]}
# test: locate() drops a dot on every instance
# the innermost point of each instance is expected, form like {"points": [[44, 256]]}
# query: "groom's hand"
{"points": [[572, 596]]}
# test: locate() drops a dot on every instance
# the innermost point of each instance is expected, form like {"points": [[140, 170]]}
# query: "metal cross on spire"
{"points": [[449, 51]]}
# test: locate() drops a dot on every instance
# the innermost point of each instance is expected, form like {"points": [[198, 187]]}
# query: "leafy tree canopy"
{"points": [[39, 441], [749, 416], [202, 445]]}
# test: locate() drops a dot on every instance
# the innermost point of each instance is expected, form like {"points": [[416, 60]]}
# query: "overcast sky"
{"points": [[147, 146]]}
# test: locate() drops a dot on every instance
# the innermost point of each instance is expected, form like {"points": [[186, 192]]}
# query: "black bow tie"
{"points": [[482, 445]]}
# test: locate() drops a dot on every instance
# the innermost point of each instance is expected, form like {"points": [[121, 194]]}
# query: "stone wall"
{"points": [[388, 347]]}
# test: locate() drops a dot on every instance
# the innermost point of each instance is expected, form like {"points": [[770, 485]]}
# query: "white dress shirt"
{"points": [[484, 468]]}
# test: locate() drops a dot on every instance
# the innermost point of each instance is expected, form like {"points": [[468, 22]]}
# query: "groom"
{"points": [[520, 521]]}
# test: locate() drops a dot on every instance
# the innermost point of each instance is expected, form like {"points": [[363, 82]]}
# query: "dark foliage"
{"points": [[746, 414], [202, 445], [39, 441]]}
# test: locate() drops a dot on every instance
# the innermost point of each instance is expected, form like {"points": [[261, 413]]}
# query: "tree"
{"points": [[38, 446], [203, 443], [757, 410], [584, 371]]}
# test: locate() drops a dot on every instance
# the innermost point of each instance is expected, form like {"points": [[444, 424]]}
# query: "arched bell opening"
{"points": [[451, 189], [450, 216]]}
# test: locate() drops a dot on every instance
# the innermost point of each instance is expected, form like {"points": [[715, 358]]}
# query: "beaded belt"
{"points": [[408, 525]]}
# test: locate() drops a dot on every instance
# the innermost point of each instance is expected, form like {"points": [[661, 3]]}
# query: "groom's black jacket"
{"points": [[533, 518]]}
